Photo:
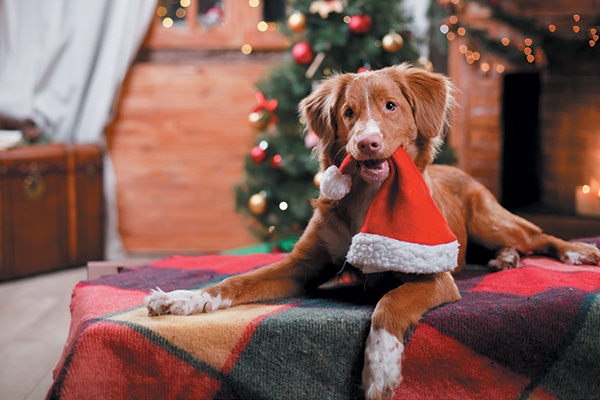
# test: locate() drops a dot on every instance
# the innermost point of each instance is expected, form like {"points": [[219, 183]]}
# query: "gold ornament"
{"points": [[259, 120], [297, 22], [257, 203], [392, 42], [317, 179]]}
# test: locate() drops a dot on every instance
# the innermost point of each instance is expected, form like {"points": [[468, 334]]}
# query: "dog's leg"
{"points": [[493, 226], [304, 267], [398, 310], [286, 278]]}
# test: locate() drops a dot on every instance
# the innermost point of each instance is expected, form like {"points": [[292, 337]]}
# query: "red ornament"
{"points": [[302, 53], [276, 161], [257, 154], [360, 23], [365, 68]]}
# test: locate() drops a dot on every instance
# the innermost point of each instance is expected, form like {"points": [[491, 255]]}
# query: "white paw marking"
{"points": [[507, 259], [382, 372], [183, 302], [572, 257], [582, 253]]}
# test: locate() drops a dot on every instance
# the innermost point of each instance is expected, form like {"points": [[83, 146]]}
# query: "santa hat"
{"points": [[404, 230]]}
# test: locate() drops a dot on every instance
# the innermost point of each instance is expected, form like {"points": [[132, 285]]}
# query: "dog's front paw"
{"points": [[383, 364], [183, 302], [580, 253]]}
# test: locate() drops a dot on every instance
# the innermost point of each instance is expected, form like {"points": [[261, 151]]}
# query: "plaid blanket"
{"points": [[532, 332]]}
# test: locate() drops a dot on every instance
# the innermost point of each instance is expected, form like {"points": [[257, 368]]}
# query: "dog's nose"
{"points": [[369, 144]]}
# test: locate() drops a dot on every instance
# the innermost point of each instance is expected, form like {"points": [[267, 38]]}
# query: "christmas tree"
{"points": [[326, 37]]}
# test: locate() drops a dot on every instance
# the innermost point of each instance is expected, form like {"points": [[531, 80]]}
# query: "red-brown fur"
{"points": [[410, 108]]}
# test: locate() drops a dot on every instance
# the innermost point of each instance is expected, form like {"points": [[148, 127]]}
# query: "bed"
{"points": [[531, 332]]}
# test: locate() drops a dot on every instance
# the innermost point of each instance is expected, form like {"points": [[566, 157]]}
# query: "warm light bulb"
{"points": [[552, 28], [246, 49], [585, 189], [262, 26]]}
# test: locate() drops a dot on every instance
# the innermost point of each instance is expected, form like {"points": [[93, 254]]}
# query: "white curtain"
{"points": [[62, 63]]}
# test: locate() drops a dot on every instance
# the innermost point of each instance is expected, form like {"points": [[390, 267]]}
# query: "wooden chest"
{"points": [[51, 208]]}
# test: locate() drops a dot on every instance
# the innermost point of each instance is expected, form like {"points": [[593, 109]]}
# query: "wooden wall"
{"points": [[181, 131], [178, 145]]}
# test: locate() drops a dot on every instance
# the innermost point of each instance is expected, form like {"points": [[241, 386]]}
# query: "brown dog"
{"points": [[369, 116]]}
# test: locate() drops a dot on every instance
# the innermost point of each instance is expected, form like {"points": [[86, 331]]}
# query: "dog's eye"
{"points": [[390, 106], [349, 113]]}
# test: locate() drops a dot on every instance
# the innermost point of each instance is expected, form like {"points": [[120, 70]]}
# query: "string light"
{"points": [[533, 54]]}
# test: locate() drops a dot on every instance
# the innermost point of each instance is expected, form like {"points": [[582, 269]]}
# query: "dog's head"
{"points": [[371, 114]]}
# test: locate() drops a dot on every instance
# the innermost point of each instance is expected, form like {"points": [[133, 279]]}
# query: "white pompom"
{"points": [[334, 184]]}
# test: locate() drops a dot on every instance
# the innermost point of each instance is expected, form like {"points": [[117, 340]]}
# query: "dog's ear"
{"points": [[319, 111], [430, 96]]}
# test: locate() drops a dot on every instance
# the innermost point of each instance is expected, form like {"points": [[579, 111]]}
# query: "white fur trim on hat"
{"points": [[373, 253], [335, 185]]}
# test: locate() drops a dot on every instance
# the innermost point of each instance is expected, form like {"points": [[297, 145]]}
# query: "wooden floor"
{"points": [[35, 317]]}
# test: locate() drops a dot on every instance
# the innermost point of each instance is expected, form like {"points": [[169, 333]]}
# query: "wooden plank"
{"points": [[178, 145]]}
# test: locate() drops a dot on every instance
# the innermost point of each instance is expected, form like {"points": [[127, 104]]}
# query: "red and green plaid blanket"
{"points": [[532, 332]]}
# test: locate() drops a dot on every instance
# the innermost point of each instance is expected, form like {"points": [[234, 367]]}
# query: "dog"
{"points": [[369, 116]]}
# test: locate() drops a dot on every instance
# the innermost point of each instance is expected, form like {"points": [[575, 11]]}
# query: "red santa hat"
{"points": [[404, 230]]}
